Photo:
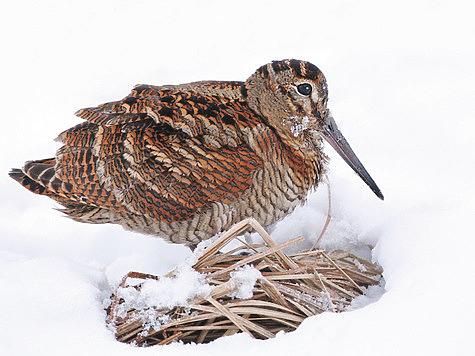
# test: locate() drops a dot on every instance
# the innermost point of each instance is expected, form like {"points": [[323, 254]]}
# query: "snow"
{"points": [[244, 279], [162, 294], [400, 79], [167, 292], [297, 124]]}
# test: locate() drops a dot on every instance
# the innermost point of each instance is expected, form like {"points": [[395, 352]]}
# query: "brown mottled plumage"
{"points": [[185, 162]]}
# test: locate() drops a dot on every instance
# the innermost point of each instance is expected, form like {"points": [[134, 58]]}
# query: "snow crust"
{"points": [[401, 89]]}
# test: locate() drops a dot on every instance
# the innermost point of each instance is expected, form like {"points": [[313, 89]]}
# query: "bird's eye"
{"points": [[304, 89]]}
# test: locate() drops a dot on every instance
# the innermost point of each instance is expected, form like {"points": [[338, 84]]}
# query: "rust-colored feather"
{"points": [[168, 156]]}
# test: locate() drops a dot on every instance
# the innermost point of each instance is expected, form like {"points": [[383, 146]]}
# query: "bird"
{"points": [[185, 162]]}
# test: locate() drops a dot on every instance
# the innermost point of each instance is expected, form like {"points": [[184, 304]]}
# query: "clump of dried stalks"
{"points": [[292, 288]]}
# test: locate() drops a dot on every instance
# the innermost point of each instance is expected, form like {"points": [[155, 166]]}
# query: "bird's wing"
{"points": [[164, 153]]}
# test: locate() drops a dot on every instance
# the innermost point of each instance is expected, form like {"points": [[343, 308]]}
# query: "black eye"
{"points": [[304, 89]]}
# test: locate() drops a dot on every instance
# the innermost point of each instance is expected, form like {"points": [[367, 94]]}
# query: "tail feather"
{"points": [[30, 184], [40, 177], [40, 171]]}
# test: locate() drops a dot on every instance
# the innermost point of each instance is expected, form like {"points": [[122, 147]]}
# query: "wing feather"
{"points": [[164, 153]]}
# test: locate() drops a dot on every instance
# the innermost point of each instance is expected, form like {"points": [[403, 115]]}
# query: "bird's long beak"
{"points": [[338, 142]]}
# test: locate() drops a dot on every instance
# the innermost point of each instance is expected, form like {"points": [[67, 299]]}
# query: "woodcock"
{"points": [[187, 161]]}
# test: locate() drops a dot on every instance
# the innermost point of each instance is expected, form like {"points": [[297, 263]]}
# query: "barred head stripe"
{"points": [[295, 65]]}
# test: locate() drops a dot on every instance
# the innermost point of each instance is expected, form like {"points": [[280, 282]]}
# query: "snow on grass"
{"points": [[164, 293], [244, 279], [167, 292]]}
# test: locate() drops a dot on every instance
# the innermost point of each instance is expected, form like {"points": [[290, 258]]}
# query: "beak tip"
{"points": [[379, 194]]}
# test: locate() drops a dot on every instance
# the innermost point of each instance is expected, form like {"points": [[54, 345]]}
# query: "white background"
{"points": [[401, 82]]}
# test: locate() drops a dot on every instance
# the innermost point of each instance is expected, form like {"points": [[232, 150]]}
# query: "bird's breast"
{"points": [[288, 173]]}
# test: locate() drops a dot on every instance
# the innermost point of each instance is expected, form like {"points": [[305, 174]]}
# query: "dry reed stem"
{"points": [[274, 249], [344, 273], [290, 289]]}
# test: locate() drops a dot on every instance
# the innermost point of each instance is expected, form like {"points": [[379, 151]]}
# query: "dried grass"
{"points": [[292, 288]]}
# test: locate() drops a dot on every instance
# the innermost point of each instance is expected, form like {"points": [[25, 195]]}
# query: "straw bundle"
{"points": [[290, 289]]}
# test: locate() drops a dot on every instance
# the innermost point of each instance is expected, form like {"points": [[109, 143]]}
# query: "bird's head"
{"points": [[292, 96]]}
